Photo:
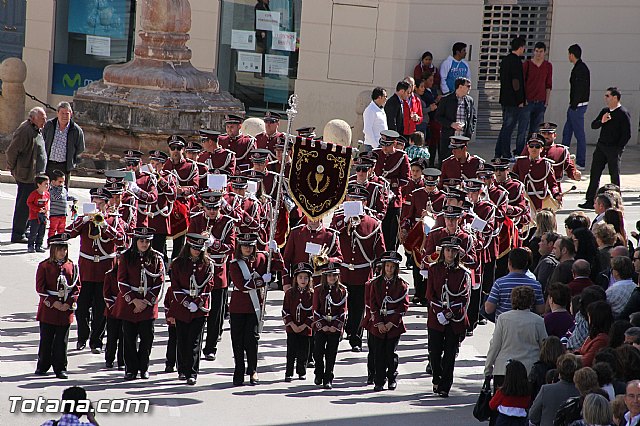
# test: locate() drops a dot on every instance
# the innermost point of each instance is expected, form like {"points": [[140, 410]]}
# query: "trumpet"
{"points": [[320, 259], [353, 224], [97, 220]]}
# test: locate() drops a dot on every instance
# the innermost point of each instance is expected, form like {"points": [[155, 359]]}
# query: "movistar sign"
{"points": [[69, 78]]}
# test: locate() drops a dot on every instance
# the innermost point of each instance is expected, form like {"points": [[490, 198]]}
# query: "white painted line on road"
{"points": [[174, 410]]}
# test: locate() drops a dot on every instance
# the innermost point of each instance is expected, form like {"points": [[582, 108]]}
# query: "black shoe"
{"points": [[120, 367], [443, 394], [288, 379], [210, 357], [62, 375], [144, 375], [31, 250], [182, 376], [302, 377], [482, 321], [81, 345], [356, 349], [40, 250], [311, 364], [129, 376], [435, 389], [109, 364], [429, 370], [370, 380], [586, 205], [415, 300], [318, 380], [254, 379], [238, 383], [424, 303], [191, 381], [96, 351], [169, 369], [469, 333], [40, 373], [393, 385], [19, 240], [378, 388], [327, 385]]}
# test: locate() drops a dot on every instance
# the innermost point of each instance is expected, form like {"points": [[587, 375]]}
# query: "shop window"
{"points": [[89, 35], [258, 52]]}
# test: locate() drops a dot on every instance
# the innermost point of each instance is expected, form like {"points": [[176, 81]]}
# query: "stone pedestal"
{"points": [[139, 104]]}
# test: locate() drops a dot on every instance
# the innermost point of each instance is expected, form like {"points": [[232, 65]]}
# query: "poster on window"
{"points": [[98, 46], [284, 40], [249, 62], [243, 40], [276, 64], [106, 18], [267, 21]]}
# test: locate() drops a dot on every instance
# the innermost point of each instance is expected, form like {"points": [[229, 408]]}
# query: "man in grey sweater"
{"points": [[551, 397]]}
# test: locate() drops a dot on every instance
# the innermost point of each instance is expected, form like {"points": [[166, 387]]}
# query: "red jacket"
{"points": [[297, 308], [219, 159], [242, 145], [190, 282], [389, 301], [538, 177], [224, 242], [240, 297], [458, 282], [160, 210], [130, 287], [329, 307], [394, 168], [110, 292], [263, 141], [147, 195], [453, 168], [50, 291], [36, 201]]}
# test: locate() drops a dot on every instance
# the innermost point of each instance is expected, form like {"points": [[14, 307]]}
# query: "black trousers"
{"points": [[90, 314], [136, 355], [371, 356], [114, 345], [178, 243], [21, 210], [298, 345], [502, 267], [171, 356], [419, 284], [244, 341], [488, 277], [36, 232], [52, 350], [215, 320], [390, 225], [473, 312], [355, 301], [325, 353], [386, 359], [189, 345], [442, 355], [609, 156], [159, 243]]}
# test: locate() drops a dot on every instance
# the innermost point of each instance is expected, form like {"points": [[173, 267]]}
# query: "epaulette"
{"points": [[467, 270], [548, 159], [521, 156], [332, 230], [233, 261], [299, 226]]}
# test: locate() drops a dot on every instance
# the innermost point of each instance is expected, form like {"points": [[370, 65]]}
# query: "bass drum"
{"points": [[178, 220], [416, 237]]}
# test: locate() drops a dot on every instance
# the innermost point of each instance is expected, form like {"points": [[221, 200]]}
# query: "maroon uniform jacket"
{"points": [[202, 176], [452, 303], [469, 257], [561, 158], [169, 305], [224, 242], [264, 141], [99, 255], [411, 186], [190, 282], [486, 241], [50, 291], [360, 246], [257, 267], [452, 168], [245, 211], [110, 292], [378, 200], [394, 168], [367, 320], [160, 210], [416, 202], [329, 307], [297, 308], [538, 178], [128, 209], [132, 276], [241, 145], [518, 208], [188, 177], [389, 302], [221, 158], [295, 248], [145, 196]]}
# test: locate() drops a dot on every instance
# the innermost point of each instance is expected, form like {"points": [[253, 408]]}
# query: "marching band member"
{"points": [[192, 274], [114, 348], [192, 151], [188, 179], [538, 177], [517, 208], [237, 142], [171, 355], [416, 179], [58, 285], [242, 206], [461, 164], [269, 138], [393, 165], [297, 314], [389, 302], [123, 201], [329, 314], [214, 156], [140, 279], [452, 219], [378, 188], [143, 188], [559, 154], [100, 235], [248, 273], [361, 243], [448, 292], [160, 210]]}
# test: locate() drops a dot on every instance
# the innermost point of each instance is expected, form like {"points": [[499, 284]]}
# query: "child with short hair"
{"points": [[58, 211], [38, 203], [416, 147]]}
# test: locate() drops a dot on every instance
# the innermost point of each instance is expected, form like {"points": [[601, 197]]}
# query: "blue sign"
{"points": [[69, 78], [106, 18]]}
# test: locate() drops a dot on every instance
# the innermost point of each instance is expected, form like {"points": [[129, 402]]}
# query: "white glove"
{"points": [[441, 319], [209, 242], [424, 273], [193, 307], [273, 245], [133, 187], [267, 278], [86, 218]]}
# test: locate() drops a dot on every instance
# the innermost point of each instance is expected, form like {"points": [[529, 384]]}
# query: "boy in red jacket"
{"points": [[38, 203]]}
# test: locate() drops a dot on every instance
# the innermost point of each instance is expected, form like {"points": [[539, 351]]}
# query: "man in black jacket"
{"points": [[580, 84], [63, 141], [393, 107], [457, 115], [614, 123]]}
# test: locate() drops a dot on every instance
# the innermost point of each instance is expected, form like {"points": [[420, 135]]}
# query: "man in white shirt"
{"points": [[632, 400], [620, 291], [375, 119]]}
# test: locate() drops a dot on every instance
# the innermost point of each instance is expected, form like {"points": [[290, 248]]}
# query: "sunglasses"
{"points": [[175, 148], [362, 169], [132, 163], [536, 146]]}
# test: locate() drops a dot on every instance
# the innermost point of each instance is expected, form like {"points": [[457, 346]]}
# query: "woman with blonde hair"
{"points": [[545, 222], [596, 411]]}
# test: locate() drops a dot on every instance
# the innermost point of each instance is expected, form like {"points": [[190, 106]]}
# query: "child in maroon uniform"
{"points": [[38, 203]]}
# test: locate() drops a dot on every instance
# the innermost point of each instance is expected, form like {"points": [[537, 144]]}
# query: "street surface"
{"points": [[214, 400]]}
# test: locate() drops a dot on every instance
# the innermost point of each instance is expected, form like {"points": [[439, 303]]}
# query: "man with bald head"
{"points": [[632, 400], [605, 278], [581, 270]]}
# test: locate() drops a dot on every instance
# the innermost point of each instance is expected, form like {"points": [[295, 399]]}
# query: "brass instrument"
{"points": [[320, 259], [95, 228], [352, 224]]}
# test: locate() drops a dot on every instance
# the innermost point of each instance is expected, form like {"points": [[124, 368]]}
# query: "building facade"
{"points": [[331, 52]]}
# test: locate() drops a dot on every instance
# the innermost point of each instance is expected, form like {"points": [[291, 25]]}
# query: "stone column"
{"points": [[13, 73]]}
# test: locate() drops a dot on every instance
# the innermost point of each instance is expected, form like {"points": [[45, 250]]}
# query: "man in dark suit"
{"points": [[393, 108], [457, 115]]}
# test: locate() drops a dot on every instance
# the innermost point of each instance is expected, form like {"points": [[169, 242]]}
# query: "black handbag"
{"points": [[481, 410]]}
